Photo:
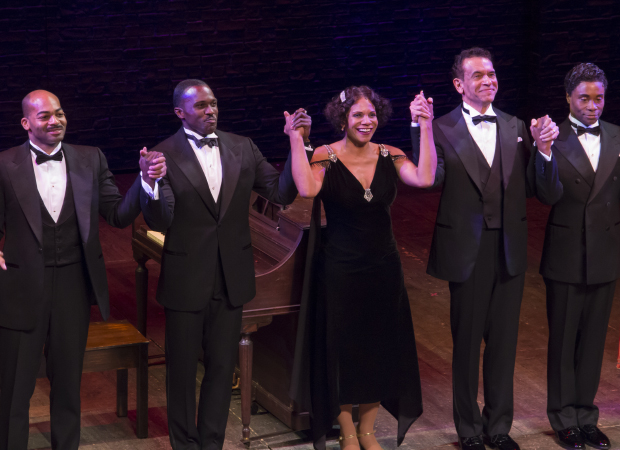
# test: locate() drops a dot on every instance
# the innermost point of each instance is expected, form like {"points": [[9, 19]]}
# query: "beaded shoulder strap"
{"points": [[331, 154]]}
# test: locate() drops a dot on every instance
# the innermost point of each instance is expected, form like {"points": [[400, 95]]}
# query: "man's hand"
{"points": [[2, 261], [289, 127], [544, 131], [421, 108], [302, 120], [152, 165]]}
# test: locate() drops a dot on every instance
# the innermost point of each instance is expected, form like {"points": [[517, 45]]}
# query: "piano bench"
{"points": [[119, 346]]}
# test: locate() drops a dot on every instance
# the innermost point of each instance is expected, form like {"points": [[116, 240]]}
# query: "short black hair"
{"points": [[336, 110], [584, 72], [474, 52], [183, 86]]}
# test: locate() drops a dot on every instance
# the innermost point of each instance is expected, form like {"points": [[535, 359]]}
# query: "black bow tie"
{"points": [[44, 157], [477, 119], [211, 142], [596, 131]]}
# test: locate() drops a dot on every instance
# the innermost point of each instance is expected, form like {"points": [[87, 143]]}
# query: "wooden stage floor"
{"points": [[413, 216]]}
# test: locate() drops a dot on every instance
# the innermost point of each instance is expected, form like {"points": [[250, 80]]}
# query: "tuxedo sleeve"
{"points": [[543, 179], [268, 182], [2, 203], [117, 210], [158, 214], [440, 171]]}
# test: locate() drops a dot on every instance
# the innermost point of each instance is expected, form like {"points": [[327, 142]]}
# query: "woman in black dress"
{"points": [[356, 343]]}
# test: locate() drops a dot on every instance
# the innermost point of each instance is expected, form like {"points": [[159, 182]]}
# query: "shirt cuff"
{"points": [[415, 125], [548, 158], [153, 193]]}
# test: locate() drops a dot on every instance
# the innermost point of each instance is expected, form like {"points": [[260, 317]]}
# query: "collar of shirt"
{"points": [[56, 150], [576, 122], [197, 136], [473, 113]]}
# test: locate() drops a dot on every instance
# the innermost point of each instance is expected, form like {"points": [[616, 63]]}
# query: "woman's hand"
{"points": [[421, 109], [297, 124]]}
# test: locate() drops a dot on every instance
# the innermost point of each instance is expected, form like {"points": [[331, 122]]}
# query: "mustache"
{"points": [[56, 127]]}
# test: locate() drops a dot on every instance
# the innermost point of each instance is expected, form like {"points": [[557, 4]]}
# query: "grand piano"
{"points": [[279, 243]]}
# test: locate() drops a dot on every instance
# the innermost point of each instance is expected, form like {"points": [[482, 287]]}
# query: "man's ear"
{"points": [[25, 124], [458, 85], [568, 98], [180, 113]]}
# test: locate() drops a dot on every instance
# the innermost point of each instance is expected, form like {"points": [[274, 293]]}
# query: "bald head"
{"points": [[44, 119]]}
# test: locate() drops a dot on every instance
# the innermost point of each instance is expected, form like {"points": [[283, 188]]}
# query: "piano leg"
{"points": [[245, 366], [142, 289]]}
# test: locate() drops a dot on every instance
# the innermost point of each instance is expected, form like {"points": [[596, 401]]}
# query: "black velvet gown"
{"points": [[355, 340]]}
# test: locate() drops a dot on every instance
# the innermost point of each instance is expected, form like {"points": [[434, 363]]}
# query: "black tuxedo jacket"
{"points": [[94, 191], [460, 220], [196, 233], [582, 241]]}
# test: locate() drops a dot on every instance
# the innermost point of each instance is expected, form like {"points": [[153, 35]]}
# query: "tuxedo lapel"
{"points": [[456, 132], [184, 157], [508, 144], [80, 172], [230, 155], [569, 146], [25, 187], [610, 148]]}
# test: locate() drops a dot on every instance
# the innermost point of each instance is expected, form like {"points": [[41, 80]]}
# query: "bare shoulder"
{"points": [[320, 154], [394, 151]]}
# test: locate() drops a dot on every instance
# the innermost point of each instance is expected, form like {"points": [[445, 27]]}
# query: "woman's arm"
{"points": [[307, 179], [422, 175]]}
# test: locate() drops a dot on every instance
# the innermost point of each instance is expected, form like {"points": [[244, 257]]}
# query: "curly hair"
{"points": [[336, 111], [583, 72], [474, 52]]}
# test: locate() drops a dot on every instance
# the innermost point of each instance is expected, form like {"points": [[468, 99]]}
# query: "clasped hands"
{"points": [[153, 166], [544, 131], [421, 109], [298, 123]]}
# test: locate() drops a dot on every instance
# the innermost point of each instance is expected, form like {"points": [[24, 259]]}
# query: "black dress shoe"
{"points": [[471, 443], [502, 442], [595, 437], [571, 437]]}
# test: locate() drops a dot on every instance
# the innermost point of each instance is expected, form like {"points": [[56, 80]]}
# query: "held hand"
{"points": [[302, 120], [152, 165], [289, 128], [421, 108], [2, 261], [538, 127]]}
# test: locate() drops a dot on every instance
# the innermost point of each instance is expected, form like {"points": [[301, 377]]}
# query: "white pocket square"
{"points": [[519, 139]]}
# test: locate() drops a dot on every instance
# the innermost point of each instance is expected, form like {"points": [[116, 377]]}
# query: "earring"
{"points": [[342, 129]]}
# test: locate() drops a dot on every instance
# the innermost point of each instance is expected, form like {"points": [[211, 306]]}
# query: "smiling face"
{"points": [[362, 122], [587, 101], [44, 119], [198, 110], [479, 84]]}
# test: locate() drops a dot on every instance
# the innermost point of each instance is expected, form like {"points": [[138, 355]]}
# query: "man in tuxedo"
{"points": [[480, 240], [207, 268], [581, 259], [51, 266]]}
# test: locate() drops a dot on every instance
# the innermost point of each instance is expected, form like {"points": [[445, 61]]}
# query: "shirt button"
{"points": [[577, 181]]}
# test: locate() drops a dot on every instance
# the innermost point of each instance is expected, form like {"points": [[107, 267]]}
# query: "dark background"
{"points": [[114, 64]]}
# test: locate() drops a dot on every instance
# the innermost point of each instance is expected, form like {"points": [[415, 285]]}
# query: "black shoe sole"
{"points": [[598, 446]]}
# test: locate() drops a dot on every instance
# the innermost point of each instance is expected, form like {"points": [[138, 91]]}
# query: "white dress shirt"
{"points": [[591, 144], [51, 179], [209, 159], [484, 134]]}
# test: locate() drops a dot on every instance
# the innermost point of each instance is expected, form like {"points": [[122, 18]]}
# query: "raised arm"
{"points": [[422, 174], [543, 179], [307, 180]]}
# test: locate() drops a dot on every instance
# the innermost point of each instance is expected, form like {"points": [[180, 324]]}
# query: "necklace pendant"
{"points": [[367, 195]]}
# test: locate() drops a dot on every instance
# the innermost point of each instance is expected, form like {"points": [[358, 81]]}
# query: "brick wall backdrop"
{"points": [[114, 63]]}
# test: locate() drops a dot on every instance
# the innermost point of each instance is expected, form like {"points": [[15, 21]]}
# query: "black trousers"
{"points": [[578, 315], [215, 331], [486, 306], [60, 333]]}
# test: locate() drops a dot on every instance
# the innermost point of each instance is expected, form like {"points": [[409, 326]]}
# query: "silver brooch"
{"points": [[367, 195], [332, 157], [384, 151]]}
